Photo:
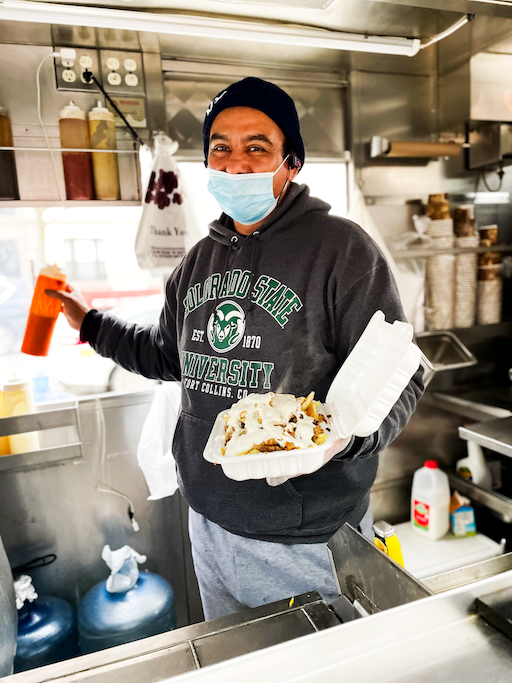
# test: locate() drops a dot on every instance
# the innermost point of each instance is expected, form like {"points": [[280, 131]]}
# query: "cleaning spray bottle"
{"points": [[473, 468]]}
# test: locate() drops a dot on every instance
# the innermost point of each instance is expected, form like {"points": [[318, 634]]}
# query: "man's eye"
{"points": [[220, 148], [254, 148]]}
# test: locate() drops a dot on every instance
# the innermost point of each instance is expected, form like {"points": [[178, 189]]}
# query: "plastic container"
{"points": [[4, 440], [387, 541], [46, 633], [430, 501], [18, 401], [77, 165], [361, 396], [8, 177], [43, 313], [102, 134], [474, 468], [108, 619]]}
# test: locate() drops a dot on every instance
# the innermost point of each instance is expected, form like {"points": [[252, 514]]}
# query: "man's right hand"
{"points": [[74, 306]]}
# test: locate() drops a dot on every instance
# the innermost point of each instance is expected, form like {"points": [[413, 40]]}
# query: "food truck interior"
{"points": [[402, 104]]}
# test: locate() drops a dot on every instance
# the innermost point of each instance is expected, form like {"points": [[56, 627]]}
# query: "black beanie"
{"points": [[262, 95]]}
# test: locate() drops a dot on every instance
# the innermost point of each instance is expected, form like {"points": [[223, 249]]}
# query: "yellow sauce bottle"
{"points": [[102, 134], [18, 400], [386, 540], [4, 440]]}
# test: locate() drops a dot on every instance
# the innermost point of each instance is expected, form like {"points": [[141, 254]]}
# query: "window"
{"points": [[84, 259]]}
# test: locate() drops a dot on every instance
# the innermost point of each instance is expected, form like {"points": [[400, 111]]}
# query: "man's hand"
{"points": [[329, 454], [74, 306]]}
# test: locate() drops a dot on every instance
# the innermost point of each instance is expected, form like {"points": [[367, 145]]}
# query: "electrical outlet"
{"points": [[69, 75], [122, 72]]}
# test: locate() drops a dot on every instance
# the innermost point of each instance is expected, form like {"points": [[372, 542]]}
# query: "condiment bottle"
{"points": [[4, 440], [8, 178], [18, 401], [77, 165], [102, 133], [43, 312]]}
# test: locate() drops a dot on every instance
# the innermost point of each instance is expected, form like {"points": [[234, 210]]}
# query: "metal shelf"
{"points": [[36, 203], [425, 253], [36, 422]]}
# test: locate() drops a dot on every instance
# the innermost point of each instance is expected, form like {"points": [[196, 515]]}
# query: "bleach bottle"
{"points": [[125, 607], [430, 501]]}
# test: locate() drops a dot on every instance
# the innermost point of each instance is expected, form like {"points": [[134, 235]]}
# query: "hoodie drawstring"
{"points": [[255, 238], [234, 240]]}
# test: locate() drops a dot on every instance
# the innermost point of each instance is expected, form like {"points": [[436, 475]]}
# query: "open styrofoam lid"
{"points": [[364, 376]]}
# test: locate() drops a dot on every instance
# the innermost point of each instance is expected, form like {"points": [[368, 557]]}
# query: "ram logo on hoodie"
{"points": [[226, 326]]}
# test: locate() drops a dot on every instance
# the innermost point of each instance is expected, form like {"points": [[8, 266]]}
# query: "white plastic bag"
{"points": [[168, 226], [123, 564], [24, 590], [154, 451], [410, 278]]}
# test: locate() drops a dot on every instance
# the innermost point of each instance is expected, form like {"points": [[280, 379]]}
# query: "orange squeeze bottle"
{"points": [[43, 313]]}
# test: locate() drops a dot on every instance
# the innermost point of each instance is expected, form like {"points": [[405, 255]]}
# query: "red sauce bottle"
{"points": [[43, 313], [77, 165]]}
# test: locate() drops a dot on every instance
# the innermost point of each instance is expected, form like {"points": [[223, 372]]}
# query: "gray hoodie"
{"points": [[278, 310]]}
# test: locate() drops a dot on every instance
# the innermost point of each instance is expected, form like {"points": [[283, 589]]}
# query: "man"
{"points": [[274, 299]]}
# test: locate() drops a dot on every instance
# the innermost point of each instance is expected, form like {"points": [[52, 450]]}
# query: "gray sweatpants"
{"points": [[234, 571]]}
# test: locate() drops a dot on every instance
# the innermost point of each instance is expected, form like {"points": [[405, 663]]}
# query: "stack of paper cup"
{"points": [[489, 294], [440, 276], [465, 282]]}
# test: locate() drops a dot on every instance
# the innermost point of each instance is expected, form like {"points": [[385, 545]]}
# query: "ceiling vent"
{"points": [[300, 4]]}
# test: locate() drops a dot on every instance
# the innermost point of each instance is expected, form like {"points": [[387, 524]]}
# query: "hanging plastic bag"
{"points": [[154, 452], [168, 226], [123, 564], [410, 277]]}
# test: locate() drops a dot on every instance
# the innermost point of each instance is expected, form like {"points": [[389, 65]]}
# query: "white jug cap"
{"points": [[17, 384], [71, 111]]}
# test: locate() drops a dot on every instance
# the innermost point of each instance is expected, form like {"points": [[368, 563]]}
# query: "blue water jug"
{"points": [[46, 633], [108, 619]]}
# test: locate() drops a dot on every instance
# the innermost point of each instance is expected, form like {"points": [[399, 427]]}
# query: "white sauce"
{"points": [[267, 416]]}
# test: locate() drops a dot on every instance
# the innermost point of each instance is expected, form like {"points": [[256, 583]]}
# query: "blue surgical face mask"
{"points": [[246, 197]]}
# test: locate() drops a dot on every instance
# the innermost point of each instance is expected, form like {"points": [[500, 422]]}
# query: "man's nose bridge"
{"points": [[237, 163]]}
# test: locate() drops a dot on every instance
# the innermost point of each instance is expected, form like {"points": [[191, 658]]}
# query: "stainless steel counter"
{"points": [[493, 434], [438, 638], [192, 647]]}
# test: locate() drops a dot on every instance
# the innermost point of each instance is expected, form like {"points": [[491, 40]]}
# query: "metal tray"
{"points": [[444, 350]]}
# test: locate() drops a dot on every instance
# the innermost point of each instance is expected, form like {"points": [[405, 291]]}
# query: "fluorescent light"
{"points": [[204, 27]]}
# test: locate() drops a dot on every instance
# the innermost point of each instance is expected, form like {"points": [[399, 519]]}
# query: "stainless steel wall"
{"points": [[37, 179], [56, 508]]}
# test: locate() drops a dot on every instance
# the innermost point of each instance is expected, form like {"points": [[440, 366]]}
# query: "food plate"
{"points": [[366, 387], [262, 465]]}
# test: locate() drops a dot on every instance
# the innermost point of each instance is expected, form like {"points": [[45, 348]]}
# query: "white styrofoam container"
{"points": [[367, 386]]}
